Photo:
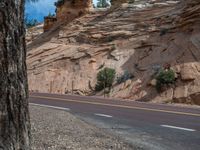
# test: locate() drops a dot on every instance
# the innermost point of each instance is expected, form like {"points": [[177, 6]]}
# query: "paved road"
{"points": [[149, 126]]}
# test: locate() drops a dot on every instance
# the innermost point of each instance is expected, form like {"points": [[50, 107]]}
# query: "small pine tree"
{"points": [[31, 23], [50, 14], [105, 79], [102, 4], [164, 77]]}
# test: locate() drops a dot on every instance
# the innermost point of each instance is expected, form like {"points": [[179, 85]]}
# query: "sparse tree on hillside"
{"points": [[105, 78], [102, 4], [30, 23], [14, 113]]}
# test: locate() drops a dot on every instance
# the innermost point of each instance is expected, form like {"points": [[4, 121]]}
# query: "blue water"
{"points": [[40, 9]]}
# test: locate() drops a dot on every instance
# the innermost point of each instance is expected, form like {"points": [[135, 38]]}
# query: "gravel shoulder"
{"points": [[59, 130]]}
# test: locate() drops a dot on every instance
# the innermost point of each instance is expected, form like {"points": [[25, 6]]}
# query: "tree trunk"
{"points": [[14, 113]]}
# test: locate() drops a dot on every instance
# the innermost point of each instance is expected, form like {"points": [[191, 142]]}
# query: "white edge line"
{"points": [[103, 115], [180, 128], [49, 106]]}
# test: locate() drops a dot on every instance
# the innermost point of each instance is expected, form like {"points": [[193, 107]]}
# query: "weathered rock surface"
{"points": [[135, 37], [49, 22], [118, 2], [33, 33], [66, 11]]}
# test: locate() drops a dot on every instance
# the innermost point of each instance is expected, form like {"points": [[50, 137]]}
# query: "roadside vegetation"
{"points": [[124, 77], [164, 78], [131, 1], [105, 79]]}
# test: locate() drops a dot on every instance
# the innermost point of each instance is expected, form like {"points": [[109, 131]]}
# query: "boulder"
{"points": [[188, 71], [165, 96], [180, 92], [152, 82], [195, 98]]}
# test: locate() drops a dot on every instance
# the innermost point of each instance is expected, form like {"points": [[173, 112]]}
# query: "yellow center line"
{"points": [[119, 106]]}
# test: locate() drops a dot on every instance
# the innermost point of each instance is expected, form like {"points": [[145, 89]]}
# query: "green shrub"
{"points": [[164, 77], [102, 3], [131, 1], [30, 23], [51, 15], [105, 79], [113, 47], [163, 31], [124, 77], [59, 3]]}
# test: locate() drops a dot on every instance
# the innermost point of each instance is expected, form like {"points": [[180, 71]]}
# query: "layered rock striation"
{"points": [[139, 37], [118, 2], [70, 9], [67, 10]]}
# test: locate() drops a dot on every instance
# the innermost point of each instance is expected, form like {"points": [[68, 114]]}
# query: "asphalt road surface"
{"points": [[148, 126]]}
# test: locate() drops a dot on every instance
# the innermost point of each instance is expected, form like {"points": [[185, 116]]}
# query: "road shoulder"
{"points": [[54, 129]]}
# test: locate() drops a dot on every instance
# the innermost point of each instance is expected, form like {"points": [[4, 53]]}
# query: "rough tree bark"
{"points": [[14, 113]]}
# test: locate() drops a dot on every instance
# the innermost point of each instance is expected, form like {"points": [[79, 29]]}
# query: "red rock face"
{"points": [[66, 11], [71, 9], [49, 23], [140, 40], [118, 2]]}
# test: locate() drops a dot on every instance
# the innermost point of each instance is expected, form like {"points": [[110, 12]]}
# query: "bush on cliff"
{"points": [[125, 76], [164, 77], [105, 79]]}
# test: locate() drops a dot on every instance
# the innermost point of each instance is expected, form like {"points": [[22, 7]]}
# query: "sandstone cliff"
{"points": [[136, 37], [67, 10]]}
